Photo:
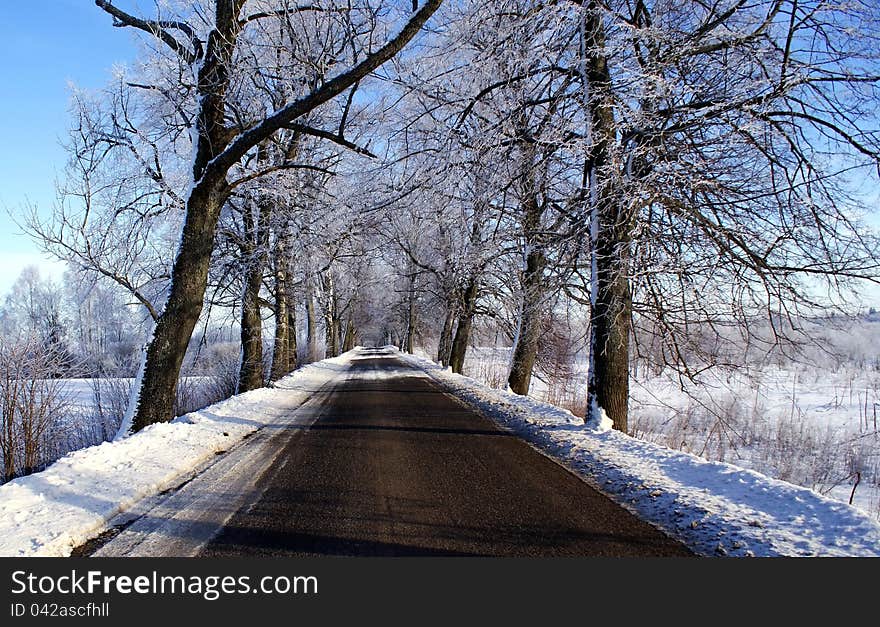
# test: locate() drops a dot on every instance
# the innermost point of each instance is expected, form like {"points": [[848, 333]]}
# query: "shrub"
{"points": [[31, 404]]}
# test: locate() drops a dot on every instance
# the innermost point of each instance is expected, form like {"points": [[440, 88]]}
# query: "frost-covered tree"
{"points": [[212, 43], [679, 168], [34, 312], [702, 162], [724, 144]]}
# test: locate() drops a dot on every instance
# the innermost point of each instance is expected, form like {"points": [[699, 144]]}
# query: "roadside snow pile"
{"points": [[714, 508], [51, 512]]}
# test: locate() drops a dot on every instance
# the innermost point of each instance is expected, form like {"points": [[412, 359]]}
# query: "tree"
{"points": [[117, 213], [712, 150], [256, 214], [718, 142], [217, 148], [34, 313]]}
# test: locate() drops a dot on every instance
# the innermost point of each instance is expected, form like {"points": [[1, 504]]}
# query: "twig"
{"points": [[855, 485]]}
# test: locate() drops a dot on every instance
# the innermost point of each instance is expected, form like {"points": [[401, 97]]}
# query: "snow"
{"points": [[135, 401], [809, 423], [714, 508], [599, 421], [51, 512]]}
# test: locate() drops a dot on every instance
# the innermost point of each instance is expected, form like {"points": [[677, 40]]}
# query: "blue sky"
{"points": [[44, 46]]}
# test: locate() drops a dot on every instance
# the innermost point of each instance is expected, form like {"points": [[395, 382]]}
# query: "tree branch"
{"points": [[158, 29], [332, 88], [336, 139], [277, 168], [303, 8]]}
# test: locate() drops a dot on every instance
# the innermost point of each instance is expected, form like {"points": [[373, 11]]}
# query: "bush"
{"points": [[31, 404]]}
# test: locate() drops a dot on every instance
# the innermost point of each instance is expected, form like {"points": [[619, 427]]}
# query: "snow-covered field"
{"points": [[816, 428], [715, 508], [51, 512]]}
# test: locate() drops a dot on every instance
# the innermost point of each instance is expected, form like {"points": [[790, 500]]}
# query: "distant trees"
{"points": [[33, 307], [34, 312], [494, 123]]}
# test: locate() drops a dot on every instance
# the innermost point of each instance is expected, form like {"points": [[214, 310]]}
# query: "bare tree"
{"points": [[217, 148], [719, 138]]}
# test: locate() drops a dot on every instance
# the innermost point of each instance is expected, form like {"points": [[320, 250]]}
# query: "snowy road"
{"points": [[382, 461]]}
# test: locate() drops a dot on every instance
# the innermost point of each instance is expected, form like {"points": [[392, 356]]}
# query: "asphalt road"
{"points": [[394, 466]]}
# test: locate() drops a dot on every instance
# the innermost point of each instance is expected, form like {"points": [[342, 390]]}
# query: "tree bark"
{"points": [[165, 353], [463, 331], [525, 350], [611, 239], [411, 316], [444, 348], [311, 326], [281, 347], [331, 318], [292, 354], [610, 320], [350, 337], [254, 255]]}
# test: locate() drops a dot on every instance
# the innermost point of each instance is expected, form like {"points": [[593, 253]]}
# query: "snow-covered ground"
{"points": [[88, 411], [817, 427], [715, 508], [51, 512]]}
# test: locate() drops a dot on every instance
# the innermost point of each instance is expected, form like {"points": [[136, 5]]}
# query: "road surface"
{"points": [[383, 462]]}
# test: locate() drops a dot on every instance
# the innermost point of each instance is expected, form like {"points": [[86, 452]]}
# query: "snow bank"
{"points": [[51, 512], [714, 508]]}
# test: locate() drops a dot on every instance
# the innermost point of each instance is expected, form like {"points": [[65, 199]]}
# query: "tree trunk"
{"points": [[350, 340], [444, 348], [611, 235], [292, 355], [525, 350], [189, 278], [463, 332], [254, 254], [331, 319], [608, 385], [311, 326], [411, 318], [8, 464], [153, 400], [280, 351]]}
